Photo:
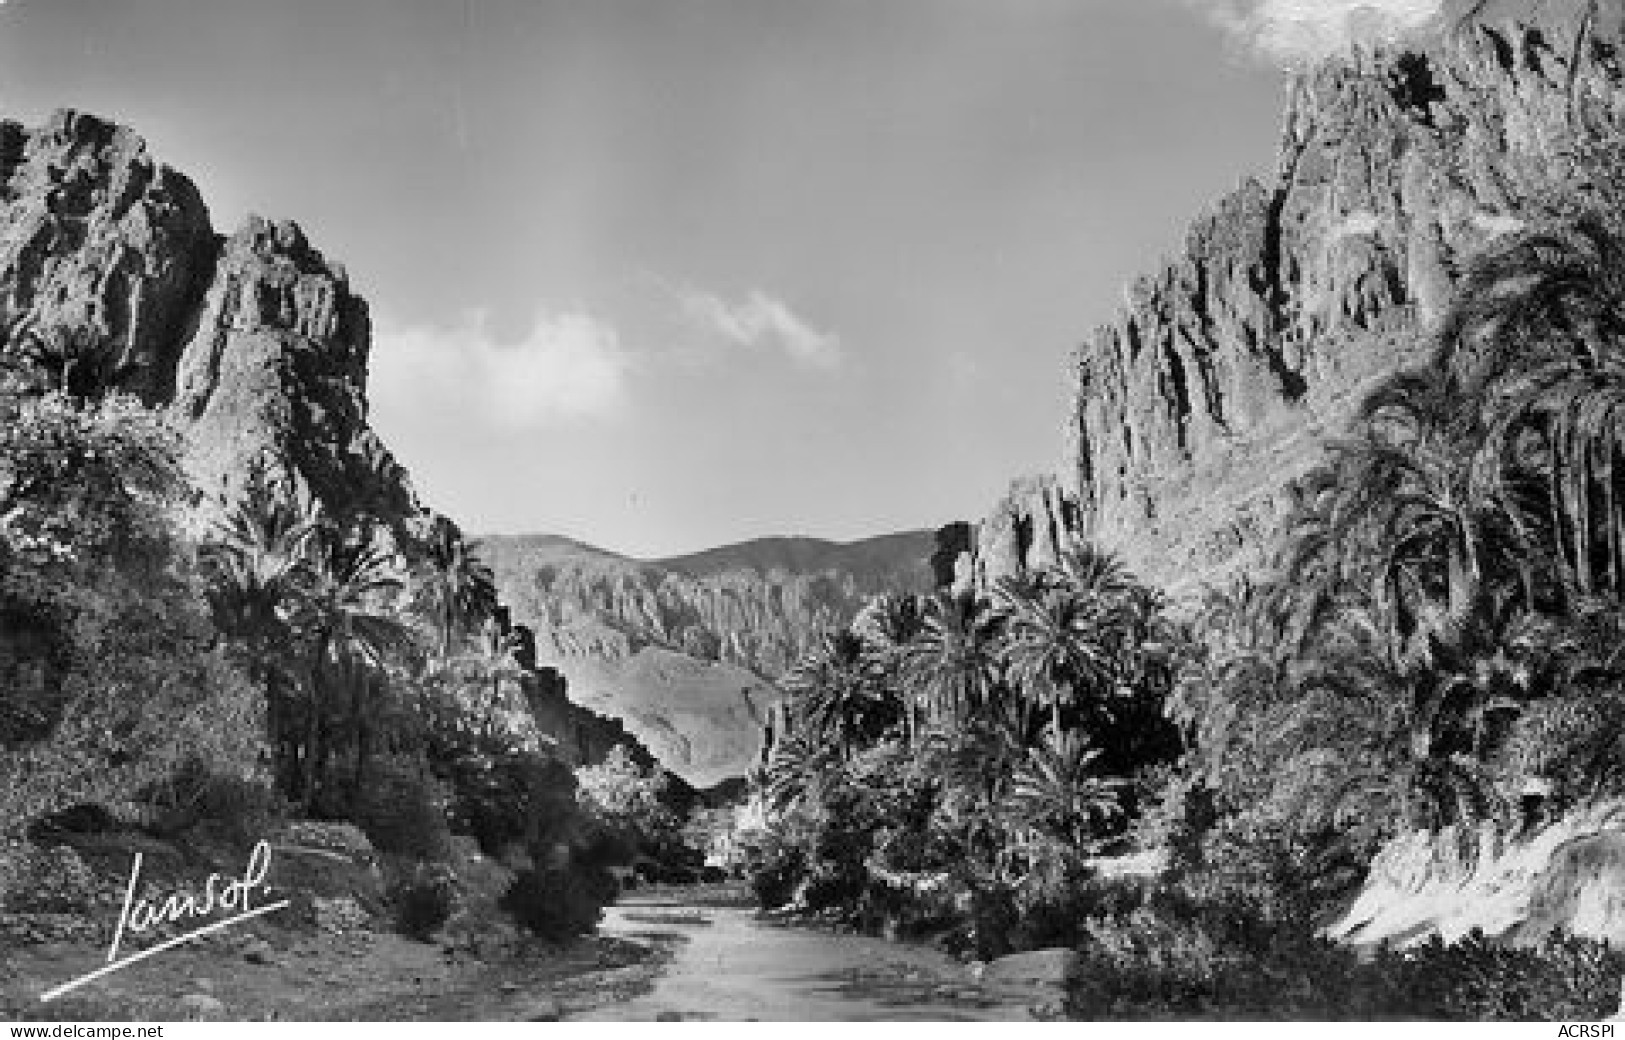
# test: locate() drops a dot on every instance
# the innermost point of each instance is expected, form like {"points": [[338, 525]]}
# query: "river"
{"points": [[731, 966]]}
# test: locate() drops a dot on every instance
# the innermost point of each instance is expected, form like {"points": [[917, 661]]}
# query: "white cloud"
{"points": [[760, 320], [1295, 31], [569, 366]]}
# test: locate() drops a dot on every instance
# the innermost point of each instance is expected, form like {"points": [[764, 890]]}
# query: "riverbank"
{"points": [[335, 951], [363, 975]]}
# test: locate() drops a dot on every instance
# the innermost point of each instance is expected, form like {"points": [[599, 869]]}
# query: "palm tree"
{"points": [[837, 698], [1533, 342], [951, 664], [974, 763], [475, 680], [888, 625], [799, 770], [1069, 637], [256, 561], [348, 620], [456, 586], [1056, 792]]}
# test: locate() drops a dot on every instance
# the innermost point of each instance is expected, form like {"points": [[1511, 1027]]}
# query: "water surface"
{"points": [[730, 966]]}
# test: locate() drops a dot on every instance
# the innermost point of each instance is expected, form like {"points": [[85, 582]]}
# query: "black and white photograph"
{"points": [[866, 511]]}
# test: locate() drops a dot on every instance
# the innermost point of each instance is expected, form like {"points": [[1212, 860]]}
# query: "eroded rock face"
{"points": [[255, 342], [276, 371], [95, 234], [1230, 367], [1027, 530]]}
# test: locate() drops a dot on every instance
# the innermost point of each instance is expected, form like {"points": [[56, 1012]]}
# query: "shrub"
{"points": [[505, 798], [1057, 917], [1145, 961], [424, 900], [776, 872], [47, 880], [239, 810], [993, 918], [559, 903], [1475, 980], [1203, 948], [603, 847], [400, 808]]}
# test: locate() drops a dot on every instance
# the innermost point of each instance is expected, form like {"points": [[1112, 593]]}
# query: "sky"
{"points": [[665, 274]]}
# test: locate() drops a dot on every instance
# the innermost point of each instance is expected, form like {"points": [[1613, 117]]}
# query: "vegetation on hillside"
{"points": [[283, 662]]}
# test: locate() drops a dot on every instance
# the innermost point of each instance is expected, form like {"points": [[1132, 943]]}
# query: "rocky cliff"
{"points": [[1229, 368], [256, 340], [111, 271], [683, 650]]}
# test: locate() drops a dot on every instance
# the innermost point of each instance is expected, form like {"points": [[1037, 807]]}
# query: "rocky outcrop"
{"points": [[1229, 368], [255, 340], [275, 373], [1026, 530], [1569, 874]]}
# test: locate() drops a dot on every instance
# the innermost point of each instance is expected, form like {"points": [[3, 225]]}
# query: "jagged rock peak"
{"points": [[98, 237], [256, 341]]}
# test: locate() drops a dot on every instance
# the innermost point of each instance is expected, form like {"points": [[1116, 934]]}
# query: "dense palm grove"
{"points": [[998, 738], [1439, 648]]}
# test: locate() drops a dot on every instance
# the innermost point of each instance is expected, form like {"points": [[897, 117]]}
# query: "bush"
{"points": [[239, 810], [1161, 950], [1058, 917], [401, 810], [1202, 949], [46, 880], [1475, 980], [993, 918], [559, 903], [776, 873], [424, 901], [506, 798], [604, 847]]}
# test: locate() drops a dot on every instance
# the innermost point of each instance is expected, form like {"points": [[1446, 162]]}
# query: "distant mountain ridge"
{"points": [[684, 650], [800, 553]]}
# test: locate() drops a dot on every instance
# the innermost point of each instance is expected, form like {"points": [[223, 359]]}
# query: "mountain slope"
{"points": [[1231, 366], [683, 650]]}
